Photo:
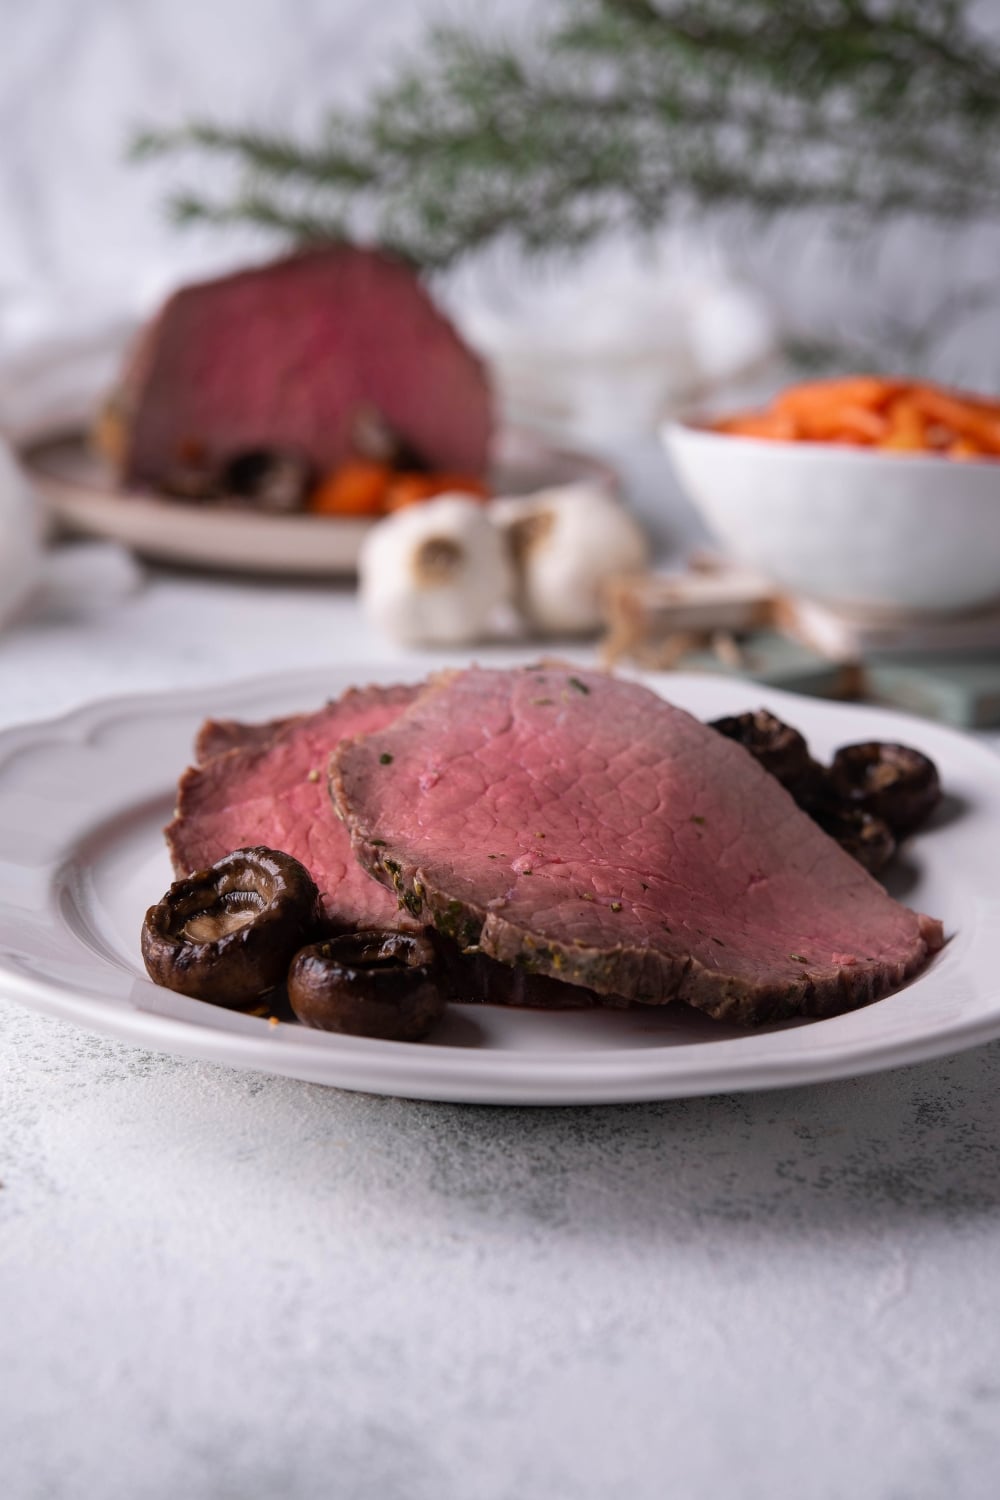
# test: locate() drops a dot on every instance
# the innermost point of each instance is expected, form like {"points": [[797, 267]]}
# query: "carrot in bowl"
{"points": [[906, 428], [816, 399], [877, 412], [762, 424], [977, 423]]}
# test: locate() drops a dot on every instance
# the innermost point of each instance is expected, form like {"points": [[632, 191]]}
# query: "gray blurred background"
{"points": [[77, 76]]}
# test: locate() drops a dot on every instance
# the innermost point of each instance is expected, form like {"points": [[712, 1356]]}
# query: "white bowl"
{"points": [[873, 531]]}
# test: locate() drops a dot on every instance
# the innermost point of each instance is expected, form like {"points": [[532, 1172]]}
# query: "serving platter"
{"points": [[83, 799], [79, 490]]}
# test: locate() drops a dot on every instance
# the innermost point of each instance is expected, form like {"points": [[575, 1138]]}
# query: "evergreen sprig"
{"points": [[629, 113]]}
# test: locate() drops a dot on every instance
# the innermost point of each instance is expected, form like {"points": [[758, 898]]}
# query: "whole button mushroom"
{"points": [[892, 782], [436, 573], [378, 984], [227, 934]]}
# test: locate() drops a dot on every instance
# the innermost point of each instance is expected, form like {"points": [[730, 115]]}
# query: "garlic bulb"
{"points": [[436, 573], [566, 543]]}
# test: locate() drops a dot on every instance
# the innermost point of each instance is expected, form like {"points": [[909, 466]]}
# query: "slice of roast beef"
{"points": [[304, 354], [270, 788], [580, 827]]}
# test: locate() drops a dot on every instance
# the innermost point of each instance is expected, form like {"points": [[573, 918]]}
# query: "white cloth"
{"points": [[59, 351], [606, 347]]}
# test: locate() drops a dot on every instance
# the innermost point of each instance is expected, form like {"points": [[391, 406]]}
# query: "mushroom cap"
{"points": [[893, 782], [380, 984], [227, 933]]}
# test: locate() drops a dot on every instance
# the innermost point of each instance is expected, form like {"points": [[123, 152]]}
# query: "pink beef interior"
{"points": [[267, 785], [289, 354], [582, 827]]}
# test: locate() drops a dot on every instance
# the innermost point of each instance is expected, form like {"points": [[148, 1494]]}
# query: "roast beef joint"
{"points": [[324, 354]]}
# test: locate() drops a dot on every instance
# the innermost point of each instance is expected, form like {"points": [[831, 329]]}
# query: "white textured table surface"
{"points": [[214, 1284]]}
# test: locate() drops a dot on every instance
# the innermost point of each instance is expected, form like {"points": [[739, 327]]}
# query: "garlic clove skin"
{"points": [[567, 542], [436, 573]]}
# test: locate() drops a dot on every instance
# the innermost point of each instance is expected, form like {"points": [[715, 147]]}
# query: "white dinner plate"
{"points": [[83, 799], [79, 489]]}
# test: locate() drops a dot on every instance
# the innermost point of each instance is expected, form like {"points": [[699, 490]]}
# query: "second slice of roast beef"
{"points": [[578, 826], [267, 784]]}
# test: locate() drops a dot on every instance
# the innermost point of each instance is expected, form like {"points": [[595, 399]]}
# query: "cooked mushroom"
{"points": [[892, 782], [780, 749], [380, 984], [274, 479], [227, 934], [864, 837]]}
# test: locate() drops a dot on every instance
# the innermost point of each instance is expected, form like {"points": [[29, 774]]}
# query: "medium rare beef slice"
{"points": [[301, 354], [271, 789], [581, 827]]}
